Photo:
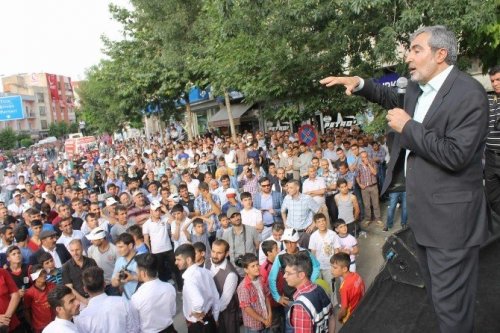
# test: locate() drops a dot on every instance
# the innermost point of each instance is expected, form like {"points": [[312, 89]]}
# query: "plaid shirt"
{"points": [[299, 211], [365, 176], [248, 297], [249, 185], [203, 206], [380, 155], [330, 179], [300, 319]]}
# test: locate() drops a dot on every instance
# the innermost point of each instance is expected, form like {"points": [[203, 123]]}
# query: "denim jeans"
{"points": [[393, 201], [249, 330]]}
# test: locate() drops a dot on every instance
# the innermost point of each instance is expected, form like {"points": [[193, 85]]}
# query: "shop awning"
{"points": [[220, 119]]}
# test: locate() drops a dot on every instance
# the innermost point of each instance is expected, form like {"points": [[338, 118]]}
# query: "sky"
{"points": [[54, 36]]}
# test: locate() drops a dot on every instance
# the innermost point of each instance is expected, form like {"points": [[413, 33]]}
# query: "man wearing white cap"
{"points": [[156, 237], [104, 253], [16, 207]]}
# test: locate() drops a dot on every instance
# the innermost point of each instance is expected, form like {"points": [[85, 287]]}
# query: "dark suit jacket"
{"points": [[444, 179], [61, 251]]}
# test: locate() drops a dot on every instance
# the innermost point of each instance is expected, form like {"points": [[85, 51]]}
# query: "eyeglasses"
{"points": [[291, 273]]}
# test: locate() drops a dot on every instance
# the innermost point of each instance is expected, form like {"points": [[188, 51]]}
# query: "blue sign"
{"points": [[388, 79], [197, 95], [11, 108]]}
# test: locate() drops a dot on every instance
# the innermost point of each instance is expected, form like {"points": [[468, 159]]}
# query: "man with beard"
{"points": [[226, 281]]}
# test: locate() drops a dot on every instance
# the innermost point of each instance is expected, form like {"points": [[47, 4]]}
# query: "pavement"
{"points": [[368, 264]]}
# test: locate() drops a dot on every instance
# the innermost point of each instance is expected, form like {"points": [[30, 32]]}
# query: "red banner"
{"points": [[52, 83]]}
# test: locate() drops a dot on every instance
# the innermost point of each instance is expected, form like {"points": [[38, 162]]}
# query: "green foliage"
{"points": [[273, 51], [62, 128], [26, 142], [8, 138]]}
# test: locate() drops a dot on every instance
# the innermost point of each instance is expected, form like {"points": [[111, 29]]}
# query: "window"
{"points": [[40, 97], [41, 109], [43, 123]]}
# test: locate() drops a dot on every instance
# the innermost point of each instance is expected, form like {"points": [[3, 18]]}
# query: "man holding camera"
{"points": [[125, 273]]}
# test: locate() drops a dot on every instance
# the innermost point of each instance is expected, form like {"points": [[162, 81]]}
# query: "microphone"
{"points": [[401, 85]]}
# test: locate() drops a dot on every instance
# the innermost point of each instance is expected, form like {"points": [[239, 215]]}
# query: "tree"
{"points": [[8, 138]]}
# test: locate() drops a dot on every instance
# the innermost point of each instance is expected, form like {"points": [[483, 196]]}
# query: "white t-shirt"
{"points": [[158, 235], [348, 242], [251, 217], [105, 260], [324, 246], [193, 186], [317, 184], [63, 239], [182, 236]]}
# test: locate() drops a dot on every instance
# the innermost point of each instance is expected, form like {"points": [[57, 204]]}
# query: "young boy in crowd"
{"points": [[178, 223], [254, 297], [200, 252], [53, 274], [352, 288], [348, 243], [249, 215], [36, 305], [224, 225], [270, 249], [199, 233], [324, 243], [136, 232], [347, 205]]}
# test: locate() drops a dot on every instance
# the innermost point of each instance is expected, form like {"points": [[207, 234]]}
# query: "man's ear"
{"points": [[441, 55]]}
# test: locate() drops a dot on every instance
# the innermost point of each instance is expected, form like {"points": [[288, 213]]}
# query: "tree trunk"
{"points": [[230, 116], [189, 122]]}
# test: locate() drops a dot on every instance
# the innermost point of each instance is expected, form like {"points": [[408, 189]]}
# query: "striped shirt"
{"points": [[493, 138], [299, 211]]}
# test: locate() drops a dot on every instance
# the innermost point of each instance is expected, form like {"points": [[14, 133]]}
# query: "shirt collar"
{"points": [[436, 82], [97, 298], [222, 266], [189, 271]]}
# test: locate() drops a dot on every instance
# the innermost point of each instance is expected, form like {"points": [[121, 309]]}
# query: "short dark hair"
{"points": [[200, 247], [21, 233], [493, 70], [245, 195], [197, 221], [125, 238], [56, 295], [341, 181], [178, 208], [247, 259], [185, 251], [148, 263], [338, 223], [203, 186], [278, 226], [43, 257], [12, 248], [263, 179], [268, 246], [120, 208], [224, 177], [302, 262], [219, 242], [318, 216], [136, 231], [3, 230], [93, 279], [341, 259]]}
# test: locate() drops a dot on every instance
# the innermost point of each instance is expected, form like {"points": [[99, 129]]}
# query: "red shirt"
{"points": [[265, 269], [33, 246], [248, 297], [7, 287], [352, 290], [36, 301]]}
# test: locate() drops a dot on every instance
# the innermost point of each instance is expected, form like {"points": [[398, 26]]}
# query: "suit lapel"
{"points": [[438, 100], [411, 99]]}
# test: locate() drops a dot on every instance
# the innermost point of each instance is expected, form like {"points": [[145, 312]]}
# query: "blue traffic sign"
{"points": [[11, 108]]}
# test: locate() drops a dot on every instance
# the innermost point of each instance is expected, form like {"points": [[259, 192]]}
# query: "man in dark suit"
{"points": [[59, 252], [441, 134]]}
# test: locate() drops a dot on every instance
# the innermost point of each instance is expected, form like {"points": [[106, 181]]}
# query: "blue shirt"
{"points": [[299, 211], [130, 287]]}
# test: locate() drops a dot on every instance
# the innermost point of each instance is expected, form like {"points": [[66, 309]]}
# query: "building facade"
{"points": [[46, 98]]}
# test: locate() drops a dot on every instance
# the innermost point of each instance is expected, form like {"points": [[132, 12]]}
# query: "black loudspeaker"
{"points": [[401, 258]]}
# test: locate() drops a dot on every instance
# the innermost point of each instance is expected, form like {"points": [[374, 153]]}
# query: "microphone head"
{"points": [[402, 83]]}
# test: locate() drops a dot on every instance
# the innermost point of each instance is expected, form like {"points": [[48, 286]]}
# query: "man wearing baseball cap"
{"points": [[241, 239], [231, 201], [16, 207], [36, 304], [290, 238], [105, 254]]}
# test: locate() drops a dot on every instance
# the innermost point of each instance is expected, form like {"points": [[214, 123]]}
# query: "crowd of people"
{"points": [[260, 232]]}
